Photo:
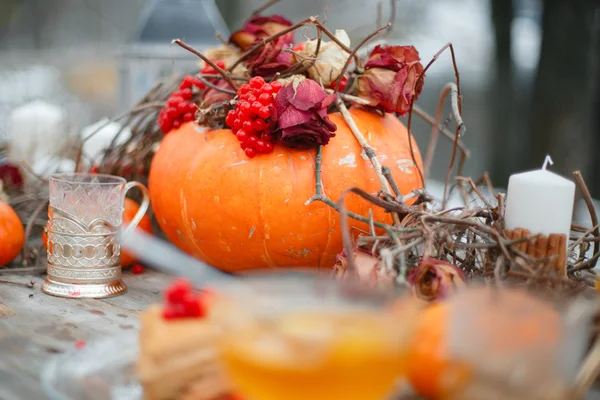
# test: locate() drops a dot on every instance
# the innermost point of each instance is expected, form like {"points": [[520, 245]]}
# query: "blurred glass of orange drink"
{"points": [[305, 339]]}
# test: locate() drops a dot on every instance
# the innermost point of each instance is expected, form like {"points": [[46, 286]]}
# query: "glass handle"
{"points": [[143, 207]]}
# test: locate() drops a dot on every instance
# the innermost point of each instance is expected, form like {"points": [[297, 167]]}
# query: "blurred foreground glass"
{"points": [[517, 346], [301, 336], [84, 234]]}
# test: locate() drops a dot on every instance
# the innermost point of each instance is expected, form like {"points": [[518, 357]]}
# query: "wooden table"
{"points": [[34, 326]]}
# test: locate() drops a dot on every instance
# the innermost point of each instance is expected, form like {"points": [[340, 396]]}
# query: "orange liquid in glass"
{"points": [[315, 356]]}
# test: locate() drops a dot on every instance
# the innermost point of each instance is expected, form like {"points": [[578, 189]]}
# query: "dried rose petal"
{"points": [[270, 58], [390, 78], [435, 279], [368, 269], [301, 115]]}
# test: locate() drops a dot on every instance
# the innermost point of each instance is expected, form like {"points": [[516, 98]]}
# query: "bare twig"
{"points": [[474, 187], [29, 284], [431, 121], [223, 73], [215, 87], [591, 263], [346, 237], [29, 227], [412, 103], [361, 44], [271, 38], [264, 6], [370, 153], [449, 87]]}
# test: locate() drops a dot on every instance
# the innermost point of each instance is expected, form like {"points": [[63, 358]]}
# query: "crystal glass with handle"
{"points": [[85, 215]]}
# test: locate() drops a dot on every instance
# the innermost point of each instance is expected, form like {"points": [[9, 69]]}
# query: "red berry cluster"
{"points": [[182, 302], [250, 118], [343, 83], [180, 108]]}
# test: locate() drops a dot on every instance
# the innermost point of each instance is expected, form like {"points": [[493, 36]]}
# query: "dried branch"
{"points": [[412, 104], [269, 39], [215, 87], [349, 60], [264, 6], [43, 205], [224, 74], [29, 284], [450, 87], [591, 263], [369, 152], [440, 128]]}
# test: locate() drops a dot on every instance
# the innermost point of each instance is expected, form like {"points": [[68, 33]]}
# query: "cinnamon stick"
{"points": [[553, 250]]}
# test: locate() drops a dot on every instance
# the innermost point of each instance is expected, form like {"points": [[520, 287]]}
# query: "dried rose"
{"points": [[368, 269], [435, 279], [330, 60], [301, 115], [390, 78], [270, 58]]}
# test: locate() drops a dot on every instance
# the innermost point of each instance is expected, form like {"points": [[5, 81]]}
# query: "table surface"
{"points": [[34, 327]]}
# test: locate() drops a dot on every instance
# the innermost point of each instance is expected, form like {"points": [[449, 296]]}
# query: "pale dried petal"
{"points": [[229, 55], [368, 269], [330, 60]]}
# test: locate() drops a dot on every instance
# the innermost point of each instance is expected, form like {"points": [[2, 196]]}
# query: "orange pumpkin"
{"points": [[12, 234], [131, 208], [432, 371], [239, 214]]}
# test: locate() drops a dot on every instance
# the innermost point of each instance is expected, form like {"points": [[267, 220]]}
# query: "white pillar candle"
{"points": [[540, 201]]}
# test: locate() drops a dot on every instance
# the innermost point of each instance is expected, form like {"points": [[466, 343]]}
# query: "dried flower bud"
{"points": [[367, 268], [434, 279], [270, 58], [301, 115], [330, 60], [390, 78]]}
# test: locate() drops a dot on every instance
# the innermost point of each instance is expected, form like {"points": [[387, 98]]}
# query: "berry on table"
{"points": [[181, 301], [137, 269], [80, 344]]}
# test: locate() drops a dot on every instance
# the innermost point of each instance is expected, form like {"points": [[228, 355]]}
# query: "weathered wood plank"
{"points": [[35, 326]]}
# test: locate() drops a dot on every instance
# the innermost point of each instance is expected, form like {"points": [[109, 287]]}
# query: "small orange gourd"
{"points": [[431, 369], [240, 214], [12, 234], [131, 208]]}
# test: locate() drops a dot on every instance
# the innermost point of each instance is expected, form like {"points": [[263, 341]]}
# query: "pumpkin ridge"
{"points": [[262, 218], [184, 214]]}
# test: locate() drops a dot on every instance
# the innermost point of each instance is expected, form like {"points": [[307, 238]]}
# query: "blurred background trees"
{"points": [[530, 69]]}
